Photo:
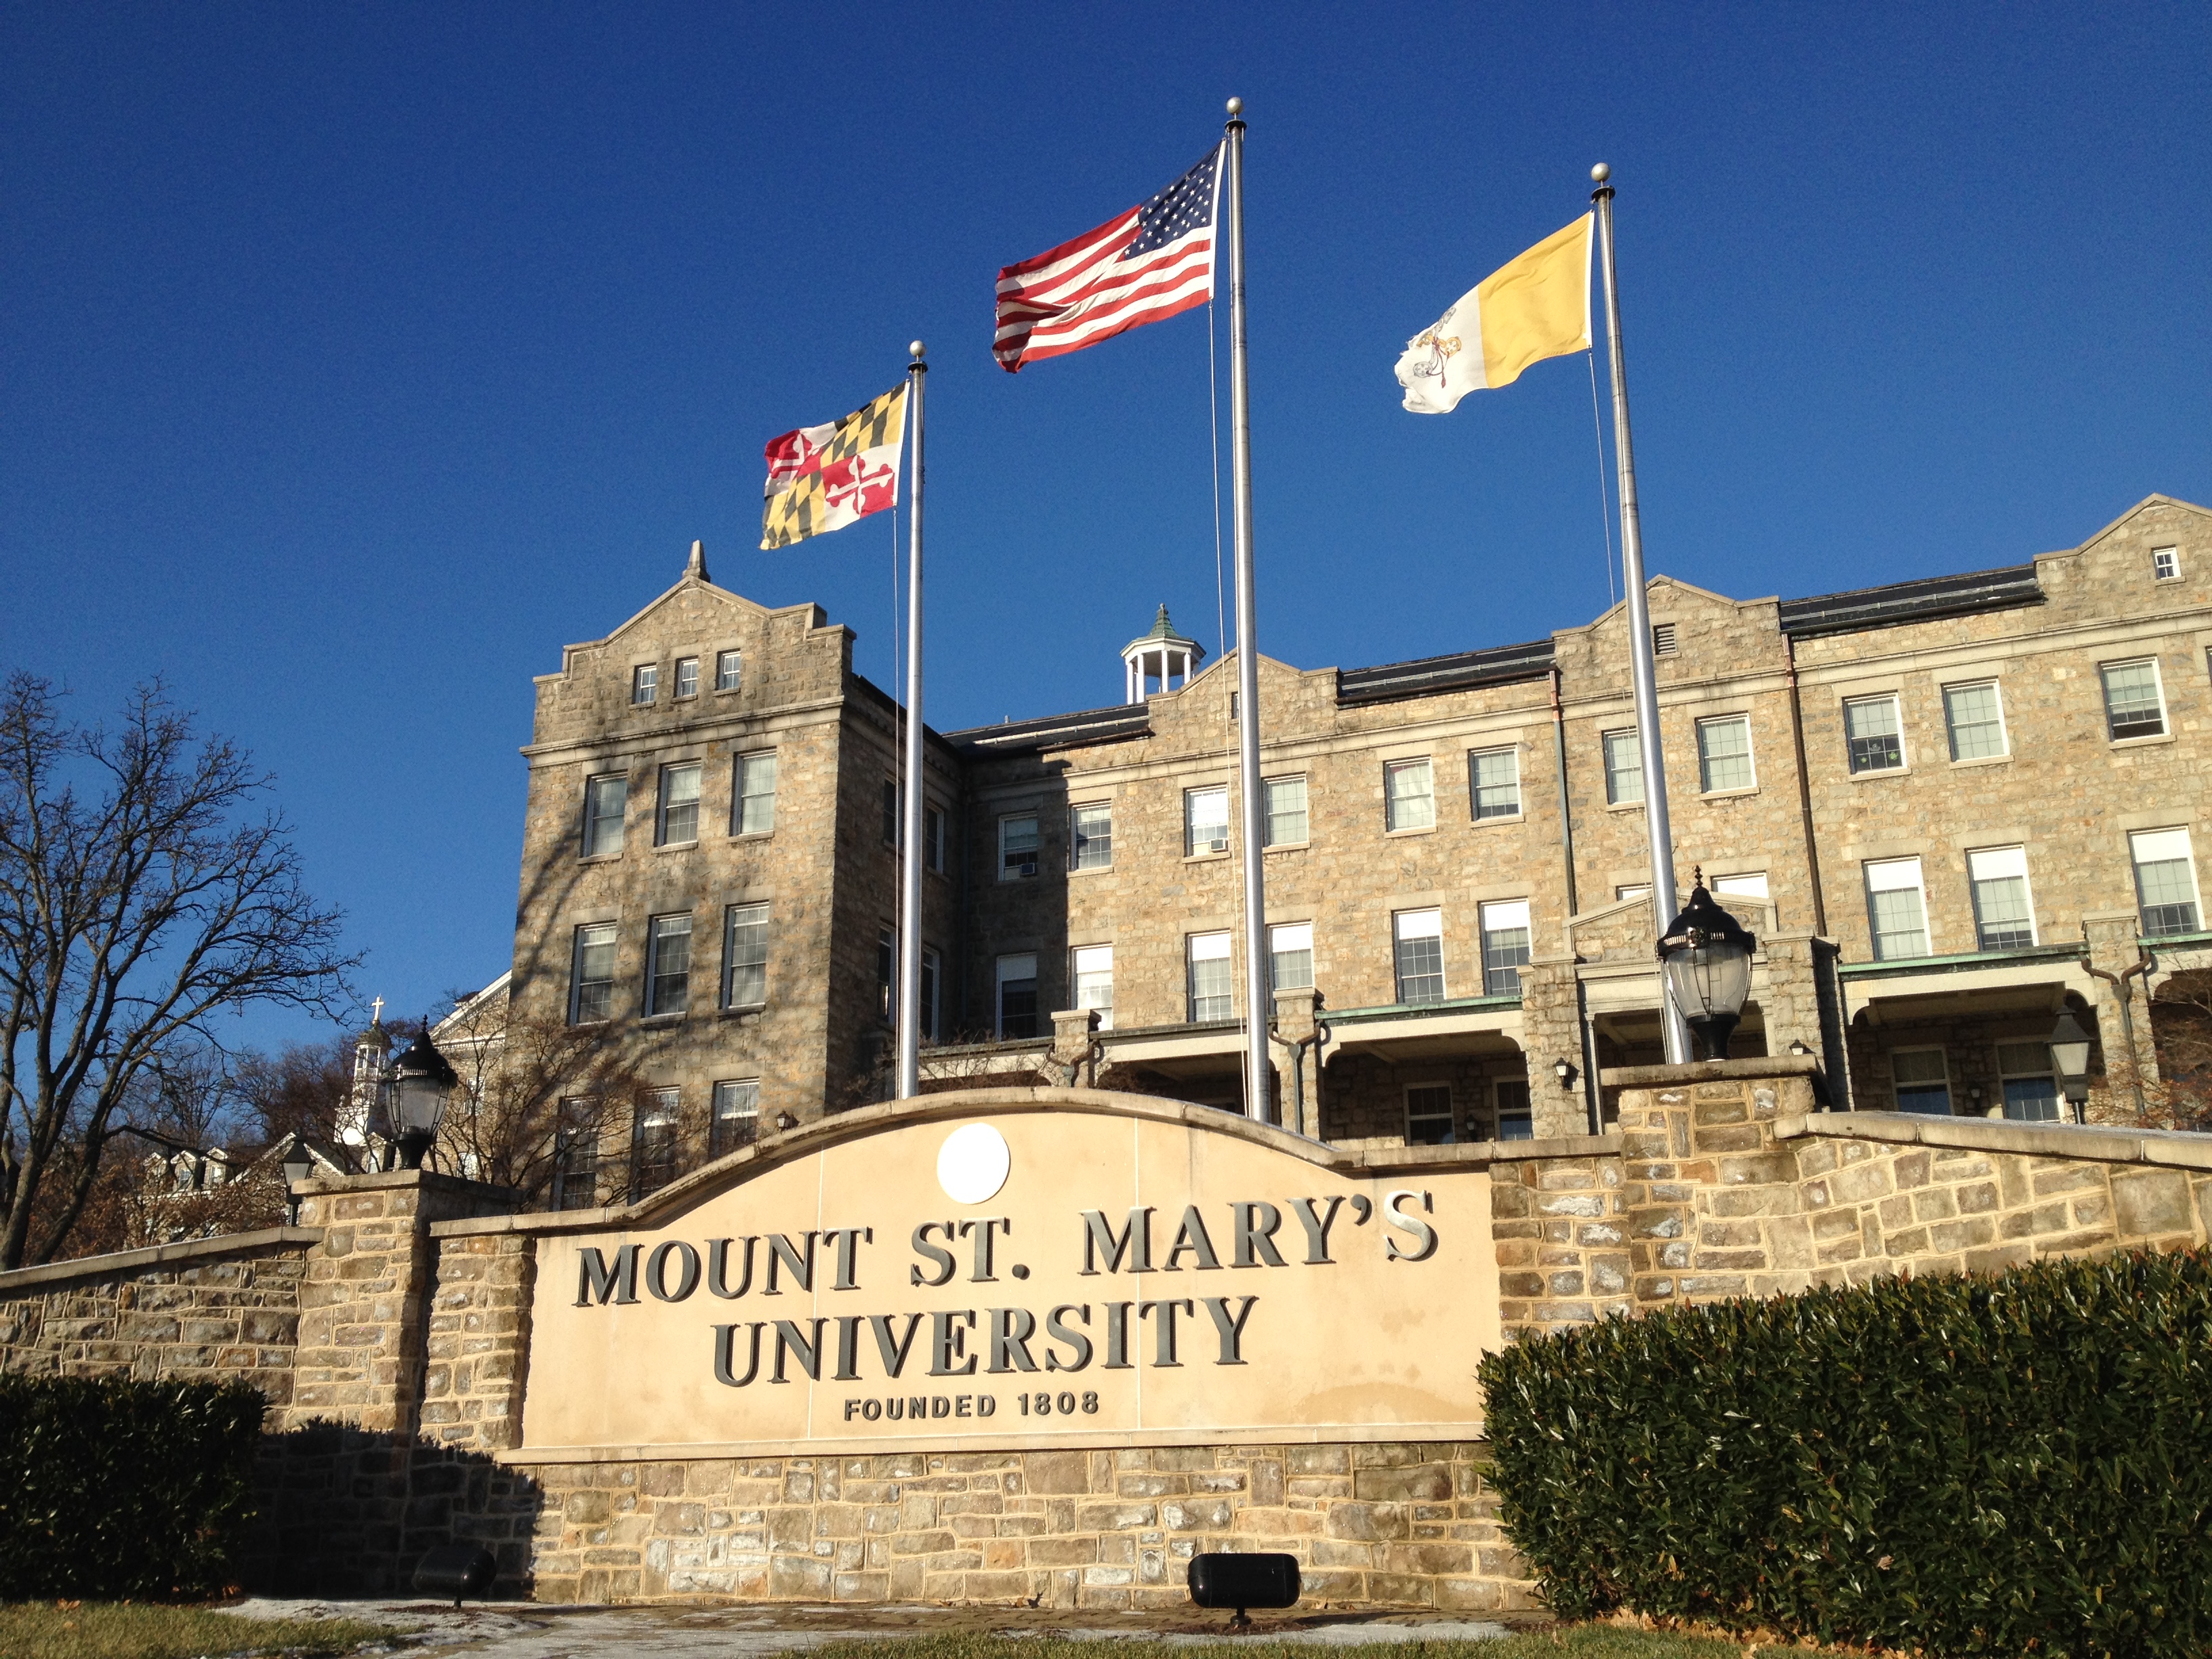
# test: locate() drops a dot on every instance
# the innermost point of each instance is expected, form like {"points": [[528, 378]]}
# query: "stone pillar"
{"points": [[2129, 1059], [364, 1309], [1297, 1059], [1074, 1037], [1552, 1030]]}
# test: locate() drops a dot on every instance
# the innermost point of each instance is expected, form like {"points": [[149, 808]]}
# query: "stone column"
{"points": [[1074, 1031], [364, 1309], [2130, 1057], [1297, 1059], [1552, 1030]]}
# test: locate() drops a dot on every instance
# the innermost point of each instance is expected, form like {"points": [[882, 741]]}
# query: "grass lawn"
{"points": [[132, 1630], [1603, 1641]]}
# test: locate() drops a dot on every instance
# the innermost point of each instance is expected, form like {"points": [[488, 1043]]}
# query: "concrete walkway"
{"points": [[515, 1630]]}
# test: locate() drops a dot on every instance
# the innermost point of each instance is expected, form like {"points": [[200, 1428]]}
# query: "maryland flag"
{"points": [[823, 477]]}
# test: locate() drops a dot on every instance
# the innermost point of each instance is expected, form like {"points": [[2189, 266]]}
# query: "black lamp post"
{"points": [[1705, 956], [2069, 1057], [297, 1167], [419, 1081]]}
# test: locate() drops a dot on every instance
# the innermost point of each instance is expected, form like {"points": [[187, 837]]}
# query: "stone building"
{"points": [[1949, 808]]}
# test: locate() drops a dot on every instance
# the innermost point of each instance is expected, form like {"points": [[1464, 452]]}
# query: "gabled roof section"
{"points": [[2006, 588], [694, 578], [1129, 720], [1425, 677]]}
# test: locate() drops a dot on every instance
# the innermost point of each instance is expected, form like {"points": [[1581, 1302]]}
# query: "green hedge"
{"points": [[114, 1489], [1975, 1466]]}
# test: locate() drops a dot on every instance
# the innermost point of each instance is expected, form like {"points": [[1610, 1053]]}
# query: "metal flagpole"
{"points": [[1672, 1031], [914, 854], [1259, 1070]]}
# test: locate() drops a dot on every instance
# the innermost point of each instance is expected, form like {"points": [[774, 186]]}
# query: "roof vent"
{"points": [[1662, 639]]}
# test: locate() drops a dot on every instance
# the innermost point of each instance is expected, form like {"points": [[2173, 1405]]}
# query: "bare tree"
{"points": [[141, 895], [2181, 1029], [529, 1088], [301, 1089]]}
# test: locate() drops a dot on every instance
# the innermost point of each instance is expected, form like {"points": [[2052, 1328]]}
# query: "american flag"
{"points": [[1138, 267]]}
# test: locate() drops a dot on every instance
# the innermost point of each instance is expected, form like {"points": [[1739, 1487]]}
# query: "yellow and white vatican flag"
{"points": [[1536, 307], [823, 477]]}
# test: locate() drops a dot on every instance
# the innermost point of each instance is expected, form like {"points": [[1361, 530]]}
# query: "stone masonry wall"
{"points": [[1729, 1183], [1411, 1525], [217, 1311]]}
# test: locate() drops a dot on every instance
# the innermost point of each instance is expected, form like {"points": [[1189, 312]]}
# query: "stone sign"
{"points": [[1017, 1277]]}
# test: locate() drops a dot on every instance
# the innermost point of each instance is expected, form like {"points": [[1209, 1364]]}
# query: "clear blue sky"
{"points": [[358, 356]]}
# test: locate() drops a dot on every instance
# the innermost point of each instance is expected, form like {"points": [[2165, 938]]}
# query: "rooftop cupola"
{"points": [[1160, 659]]}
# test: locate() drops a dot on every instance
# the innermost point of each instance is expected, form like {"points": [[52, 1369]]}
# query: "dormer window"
{"points": [[687, 677], [644, 683], [2164, 564], [726, 668]]}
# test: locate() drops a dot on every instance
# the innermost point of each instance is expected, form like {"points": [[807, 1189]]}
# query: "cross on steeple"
{"points": [[376, 1011]]}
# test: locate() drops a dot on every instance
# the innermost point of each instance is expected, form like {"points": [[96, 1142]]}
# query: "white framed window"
{"points": [[2164, 564], [929, 982], [653, 1153], [676, 821], [1409, 795], [1504, 946], [668, 965], [1285, 824], [604, 800], [592, 975], [1493, 782], [1873, 735], [1897, 909], [1206, 820], [1624, 768], [687, 677], [1724, 753], [1018, 996], [1091, 837], [2135, 704], [932, 838], [1212, 978], [745, 956], [1428, 1114], [2030, 1086], [1091, 968], [736, 1118], [1751, 885], [1974, 716], [1017, 847], [729, 669], [644, 683], [2166, 882], [754, 813], [1631, 889], [1417, 939], [1923, 1080], [1290, 957], [2004, 914], [1515, 1121]]}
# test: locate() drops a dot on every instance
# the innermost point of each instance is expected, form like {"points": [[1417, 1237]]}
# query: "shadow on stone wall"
{"points": [[347, 1511]]}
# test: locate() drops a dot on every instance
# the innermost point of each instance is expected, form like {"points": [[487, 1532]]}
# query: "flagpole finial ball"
{"points": [[914, 348], [1236, 107], [1600, 174]]}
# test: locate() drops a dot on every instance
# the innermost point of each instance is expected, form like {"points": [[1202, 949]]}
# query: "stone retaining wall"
{"points": [[215, 1310], [1412, 1525]]}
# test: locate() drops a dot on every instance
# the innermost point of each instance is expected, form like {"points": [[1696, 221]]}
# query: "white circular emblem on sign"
{"points": [[972, 1164]]}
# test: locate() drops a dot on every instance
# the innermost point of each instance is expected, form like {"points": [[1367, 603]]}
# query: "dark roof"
{"points": [[1426, 676], [1827, 613], [1129, 720], [1918, 601]]}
